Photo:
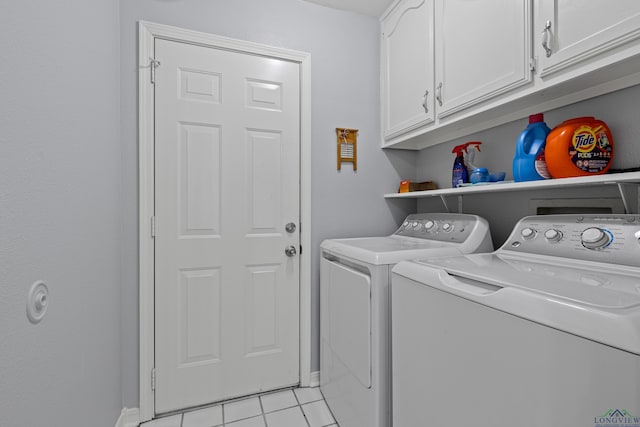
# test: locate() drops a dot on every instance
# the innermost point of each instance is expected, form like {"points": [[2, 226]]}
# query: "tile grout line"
{"points": [[264, 416], [333, 417], [295, 395]]}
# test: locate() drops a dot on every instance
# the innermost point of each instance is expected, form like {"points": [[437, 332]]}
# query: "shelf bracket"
{"points": [[625, 189], [444, 202], [446, 205]]}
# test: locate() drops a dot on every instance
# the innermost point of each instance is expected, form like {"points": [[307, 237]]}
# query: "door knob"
{"points": [[290, 227], [290, 251]]}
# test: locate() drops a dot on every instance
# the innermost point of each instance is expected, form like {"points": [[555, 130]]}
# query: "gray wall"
{"points": [[60, 212], [345, 93], [621, 112]]}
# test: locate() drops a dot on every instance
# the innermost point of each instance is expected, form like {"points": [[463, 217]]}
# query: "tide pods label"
{"points": [[584, 139], [590, 149]]}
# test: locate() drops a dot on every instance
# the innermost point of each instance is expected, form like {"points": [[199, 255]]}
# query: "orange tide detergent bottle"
{"points": [[579, 147]]}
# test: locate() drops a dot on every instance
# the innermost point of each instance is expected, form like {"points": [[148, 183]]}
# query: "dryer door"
{"points": [[346, 321]]}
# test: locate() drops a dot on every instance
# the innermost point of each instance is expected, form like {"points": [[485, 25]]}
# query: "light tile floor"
{"points": [[299, 407]]}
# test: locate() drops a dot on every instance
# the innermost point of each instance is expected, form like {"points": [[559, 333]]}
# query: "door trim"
{"points": [[147, 33]]}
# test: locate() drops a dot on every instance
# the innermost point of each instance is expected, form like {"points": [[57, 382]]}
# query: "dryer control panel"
{"points": [[446, 227], [602, 238]]}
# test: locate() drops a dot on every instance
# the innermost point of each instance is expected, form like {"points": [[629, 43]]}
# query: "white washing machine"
{"points": [[543, 332], [354, 308]]}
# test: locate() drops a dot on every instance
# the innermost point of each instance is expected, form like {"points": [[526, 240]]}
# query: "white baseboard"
{"points": [[129, 417], [314, 379]]}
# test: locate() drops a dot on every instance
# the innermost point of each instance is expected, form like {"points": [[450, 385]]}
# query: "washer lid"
{"points": [[600, 302], [389, 249], [593, 284]]}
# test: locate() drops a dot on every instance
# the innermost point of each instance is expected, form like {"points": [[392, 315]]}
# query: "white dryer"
{"points": [[354, 308], [543, 332]]}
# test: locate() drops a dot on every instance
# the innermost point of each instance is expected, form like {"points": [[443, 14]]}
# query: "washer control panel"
{"points": [[603, 238], [446, 227]]}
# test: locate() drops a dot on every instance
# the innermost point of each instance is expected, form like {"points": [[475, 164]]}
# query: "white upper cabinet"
{"points": [[407, 67], [574, 32], [496, 61], [483, 49]]}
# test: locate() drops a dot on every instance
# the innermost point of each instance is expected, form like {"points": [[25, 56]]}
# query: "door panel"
{"points": [[580, 31], [198, 303], [479, 59], [349, 299], [264, 176], [227, 182], [199, 180], [407, 68]]}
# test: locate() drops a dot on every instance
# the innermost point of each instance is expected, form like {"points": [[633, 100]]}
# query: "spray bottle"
{"points": [[460, 174], [478, 174], [471, 148]]}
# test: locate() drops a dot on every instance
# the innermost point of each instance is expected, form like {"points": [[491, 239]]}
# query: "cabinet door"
{"points": [[576, 31], [407, 67], [483, 49]]}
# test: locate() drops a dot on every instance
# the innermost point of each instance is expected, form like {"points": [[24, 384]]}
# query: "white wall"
{"points": [[345, 93], [620, 110], [60, 212]]}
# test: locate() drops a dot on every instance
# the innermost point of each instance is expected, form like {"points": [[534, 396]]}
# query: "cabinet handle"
{"points": [[545, 38], [424, 103], [439, 94]]}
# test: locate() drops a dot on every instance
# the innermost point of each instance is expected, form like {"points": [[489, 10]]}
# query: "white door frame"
{"points": [[147, 32]]}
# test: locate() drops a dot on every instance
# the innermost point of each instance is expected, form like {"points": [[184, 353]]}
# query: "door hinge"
{"points": [[153, 379], [153, 226], [153, 64], [533, 64]]}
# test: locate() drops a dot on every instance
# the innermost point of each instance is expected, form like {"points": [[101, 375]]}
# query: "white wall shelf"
{"points": [[619, 179]]}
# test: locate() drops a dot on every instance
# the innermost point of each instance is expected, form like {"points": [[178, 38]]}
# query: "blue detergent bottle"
{"points": [[460, 174], [528, 163]]}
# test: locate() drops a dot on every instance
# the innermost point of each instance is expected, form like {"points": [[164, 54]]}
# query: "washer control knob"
{"points": [[447, 227], [553, 235], [405, 224], [528, 233], [429, 225], [595, 238], [418, 226]]}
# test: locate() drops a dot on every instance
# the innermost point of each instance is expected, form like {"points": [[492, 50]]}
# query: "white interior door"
{"points": [[226, 184]]}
